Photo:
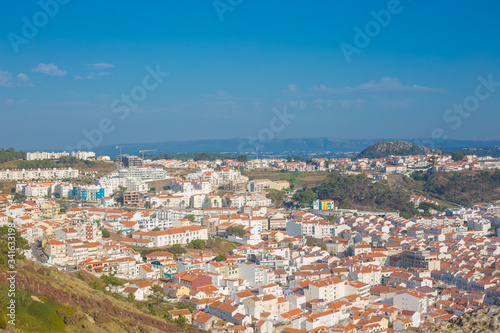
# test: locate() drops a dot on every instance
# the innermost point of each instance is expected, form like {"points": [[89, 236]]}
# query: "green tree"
{"points": [[18, 197], [457, 156], [181, 321], [157, 294], [9, 154], [310, 242], [156, 229], [304, 198], [105, 233], [242, 158], [237, 231], [20, 244], [177, 249], [152, 310], [190, 217], [96, 285], [220, 257], [198, 244], [276, 196], [112, 280], [427, 205]]}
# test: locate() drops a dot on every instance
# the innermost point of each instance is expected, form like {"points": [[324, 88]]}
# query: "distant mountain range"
{"points": [[281, 147]]}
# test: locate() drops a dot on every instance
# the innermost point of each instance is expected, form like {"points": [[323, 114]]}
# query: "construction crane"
{"points": [[119, 164], [142, 152]]}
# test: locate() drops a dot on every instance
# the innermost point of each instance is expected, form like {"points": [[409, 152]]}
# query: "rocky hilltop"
{"points": [[484, 320], [397, 148]]}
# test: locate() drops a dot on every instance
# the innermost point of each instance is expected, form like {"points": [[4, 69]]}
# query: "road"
{"points": [[37, 254]]}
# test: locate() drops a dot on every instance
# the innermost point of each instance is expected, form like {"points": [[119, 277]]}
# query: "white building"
{"points": [[256, 275], [411, 300], [182, 235], [83, 155], [35, 174]]}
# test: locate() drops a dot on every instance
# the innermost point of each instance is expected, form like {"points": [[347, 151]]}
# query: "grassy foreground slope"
{"points": [[51, 301]]}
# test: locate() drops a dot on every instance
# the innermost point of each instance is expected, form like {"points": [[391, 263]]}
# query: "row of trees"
{"points": [[7, 155], [237, 231]]}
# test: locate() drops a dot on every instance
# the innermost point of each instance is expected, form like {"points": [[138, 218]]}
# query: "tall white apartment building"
{"points": [[61, 190], [112, 184], [143, 173], [256, 275], [35, 174], [194, 186], [83, 155]]}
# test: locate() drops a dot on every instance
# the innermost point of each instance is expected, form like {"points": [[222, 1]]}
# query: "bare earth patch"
{"points": [[35, 298]]}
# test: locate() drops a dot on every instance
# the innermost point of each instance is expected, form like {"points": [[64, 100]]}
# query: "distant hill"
{"points": [[397, 148]]}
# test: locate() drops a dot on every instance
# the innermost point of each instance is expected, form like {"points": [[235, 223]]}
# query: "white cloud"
{"points": [[100, 65], [22, 79], [50, 69], [5, 79], [9, 101], [291, 88], [384, 84], [91, 76], [220, 95], [301, 105], [344, 103]]}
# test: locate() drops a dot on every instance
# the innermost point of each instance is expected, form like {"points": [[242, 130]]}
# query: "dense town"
{"points": [[294, 269]]}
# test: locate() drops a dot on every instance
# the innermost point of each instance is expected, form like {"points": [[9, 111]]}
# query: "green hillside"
{"points": [[397, 148]]}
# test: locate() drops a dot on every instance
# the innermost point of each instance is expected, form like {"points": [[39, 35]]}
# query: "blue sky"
{"points": [[226, 75]]}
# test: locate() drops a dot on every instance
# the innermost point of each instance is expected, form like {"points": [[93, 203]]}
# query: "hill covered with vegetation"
{"points": [[463, 188], [351, 191], [397, 148]]}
